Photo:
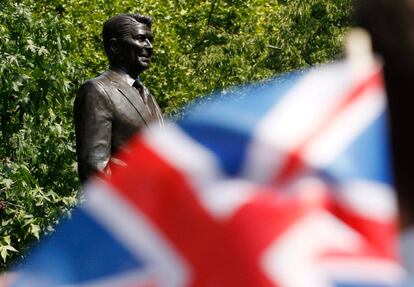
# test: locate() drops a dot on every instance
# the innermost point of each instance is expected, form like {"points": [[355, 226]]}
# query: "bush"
{"points": [[37, 171]]}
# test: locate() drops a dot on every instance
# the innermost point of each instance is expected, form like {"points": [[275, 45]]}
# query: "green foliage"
{"points": [[217, 44], [37, 175], [49, 47]]}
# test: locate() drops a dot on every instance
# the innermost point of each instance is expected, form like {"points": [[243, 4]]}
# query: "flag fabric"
{"points": [[283, 183]]}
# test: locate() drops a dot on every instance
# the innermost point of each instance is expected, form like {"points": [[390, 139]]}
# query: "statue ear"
{"points": [[113, 46]]}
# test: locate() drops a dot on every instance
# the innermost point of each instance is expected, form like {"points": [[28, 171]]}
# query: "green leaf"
{"points": [[6, 183], [35, 230], [7, 239]]}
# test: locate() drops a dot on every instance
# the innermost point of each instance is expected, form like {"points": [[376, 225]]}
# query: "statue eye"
{"points": [[143, 38]]}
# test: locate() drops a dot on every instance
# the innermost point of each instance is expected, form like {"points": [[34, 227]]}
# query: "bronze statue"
{"points": [[109, 109]]}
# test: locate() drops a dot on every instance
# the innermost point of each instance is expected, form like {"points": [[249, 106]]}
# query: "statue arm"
{"points": [[93, 125]]}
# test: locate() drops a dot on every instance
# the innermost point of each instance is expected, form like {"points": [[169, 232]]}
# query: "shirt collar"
{"points": [[127, 77], [130, 80]]}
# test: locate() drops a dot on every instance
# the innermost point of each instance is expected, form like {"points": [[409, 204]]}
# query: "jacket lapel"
{"points": [[130, 93]]}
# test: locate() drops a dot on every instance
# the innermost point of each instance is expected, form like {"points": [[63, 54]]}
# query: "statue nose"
{"points": [[148, 44]]}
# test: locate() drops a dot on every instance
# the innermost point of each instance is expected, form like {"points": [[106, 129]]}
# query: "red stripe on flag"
{"points": [[380, 236]]}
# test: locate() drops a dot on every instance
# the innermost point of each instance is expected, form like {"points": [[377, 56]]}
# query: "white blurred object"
{"points": [[407, 250], [358, 49]]}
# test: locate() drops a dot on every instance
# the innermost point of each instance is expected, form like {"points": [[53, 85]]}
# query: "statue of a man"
{"points": [[109, 109]]}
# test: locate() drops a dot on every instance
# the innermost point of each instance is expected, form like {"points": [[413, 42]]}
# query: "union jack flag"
{"points": [[284, 183]]}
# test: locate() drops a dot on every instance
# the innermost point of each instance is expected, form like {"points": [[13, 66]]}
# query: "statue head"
{"points": [[128, 42]]}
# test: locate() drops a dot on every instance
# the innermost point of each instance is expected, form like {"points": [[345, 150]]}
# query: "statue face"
{"points": [[136, 49]]}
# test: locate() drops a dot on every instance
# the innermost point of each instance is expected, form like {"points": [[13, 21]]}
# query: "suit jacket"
{"points": [[108, 111]]}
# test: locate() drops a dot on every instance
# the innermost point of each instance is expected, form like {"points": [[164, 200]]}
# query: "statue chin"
{"points": [[143, 64]]}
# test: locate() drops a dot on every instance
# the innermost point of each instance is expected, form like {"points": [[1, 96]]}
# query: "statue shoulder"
{"points": [[93, 86], [94, 91]]}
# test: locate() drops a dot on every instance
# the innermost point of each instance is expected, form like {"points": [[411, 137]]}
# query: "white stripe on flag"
{"points": [[371, 199], [191, 158], [365, 271], [131, 278], [300, 247], [219, 196], [345, 128], [294, 118]]}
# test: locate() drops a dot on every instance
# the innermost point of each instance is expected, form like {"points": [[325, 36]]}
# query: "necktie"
{"points": [[151, 107], [137, 85], [144, 96]]}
